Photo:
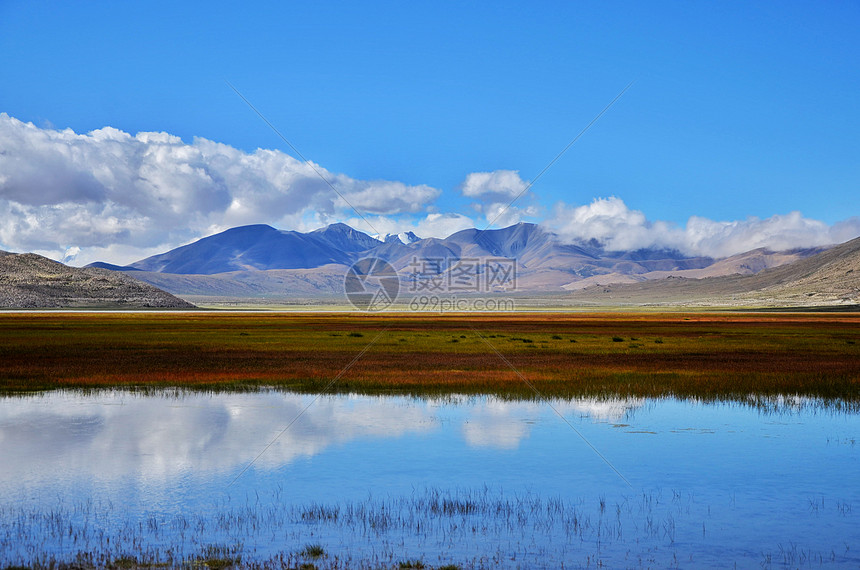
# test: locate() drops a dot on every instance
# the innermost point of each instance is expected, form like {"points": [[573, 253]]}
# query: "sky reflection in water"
{"points": [[731, 482]]}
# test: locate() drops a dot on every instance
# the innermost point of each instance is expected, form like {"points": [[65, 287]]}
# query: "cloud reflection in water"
{"points": [[121, 435]]}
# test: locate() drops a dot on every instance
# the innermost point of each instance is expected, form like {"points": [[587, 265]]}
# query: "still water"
{"points": [[471, 481]]}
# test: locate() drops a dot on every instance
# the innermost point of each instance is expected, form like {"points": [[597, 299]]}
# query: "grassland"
{"points": [[512, 355]]}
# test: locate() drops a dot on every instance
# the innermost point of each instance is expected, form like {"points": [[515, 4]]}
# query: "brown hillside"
{"points": [[31, 281]]}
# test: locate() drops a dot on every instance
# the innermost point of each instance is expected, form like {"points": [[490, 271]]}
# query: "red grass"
{"points": [[697, 355]]}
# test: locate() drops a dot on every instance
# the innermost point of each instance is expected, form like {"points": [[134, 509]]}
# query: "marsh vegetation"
{"points": [[708, 356]]}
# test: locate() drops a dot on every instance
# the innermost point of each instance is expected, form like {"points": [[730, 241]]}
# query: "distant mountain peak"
{"points": [[251, 228], [336, 227], [344, 238], [403, 237]]}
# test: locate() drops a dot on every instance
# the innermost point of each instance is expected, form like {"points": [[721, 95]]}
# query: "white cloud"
{"points": [[71, 254], [384, 197], [498, 186], [618, 228], [779, 232], [107, 188], [497, 195], [609, 221], [502, 214]]}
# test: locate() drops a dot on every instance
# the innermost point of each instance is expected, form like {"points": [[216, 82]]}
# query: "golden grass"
{"points": [[565, 355]]}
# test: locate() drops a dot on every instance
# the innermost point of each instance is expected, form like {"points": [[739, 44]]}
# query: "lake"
{"points": [[279, 478]]}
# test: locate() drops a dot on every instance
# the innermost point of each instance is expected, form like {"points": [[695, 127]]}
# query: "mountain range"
{"points": [[262, 248], [830, 278], [261, 262]]}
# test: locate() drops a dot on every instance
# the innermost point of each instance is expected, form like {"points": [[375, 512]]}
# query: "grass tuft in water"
{"points": [[217, 556], [314, 551]]}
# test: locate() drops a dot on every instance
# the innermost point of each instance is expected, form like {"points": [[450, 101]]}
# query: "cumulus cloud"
{"points": [[495, 194], [61, 190], [496, 186], [610, 222], [384, 197], [501, 214], [618, 228]]}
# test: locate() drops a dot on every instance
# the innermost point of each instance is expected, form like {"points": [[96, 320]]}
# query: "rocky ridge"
{"points": [[30, 281]]}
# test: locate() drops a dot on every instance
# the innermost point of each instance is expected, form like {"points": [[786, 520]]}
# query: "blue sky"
{"points": [[737, 110]]}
